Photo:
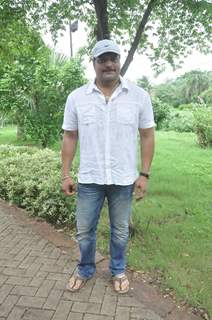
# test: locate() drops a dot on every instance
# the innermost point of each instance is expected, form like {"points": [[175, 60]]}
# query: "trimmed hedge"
{"points": [[31, 178]]}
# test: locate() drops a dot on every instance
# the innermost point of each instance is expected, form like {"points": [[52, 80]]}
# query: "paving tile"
{"points": [[14, 272], [42, 274], [83, 295], [122, 313], [4, 292], [3, 279], [96, 317], [36, 314], [53, 299], [32, 302], [60, 284], [62, 310], [109, 305], [74, 316], [57, 276], [97, 294], [8, 263], [36, 282], [88, 307], [33, 270], [18, 281], [27, 262], [7, 305], [51, 268], [22, 254], [16, 313], [45, 288], [128, 302], [24, 291]]}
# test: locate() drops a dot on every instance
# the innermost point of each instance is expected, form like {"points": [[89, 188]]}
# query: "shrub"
{"points": [[189, 106], [52, 84], [161, 111], [31, 178], [207, 96], [203, 126], [180, 121]]}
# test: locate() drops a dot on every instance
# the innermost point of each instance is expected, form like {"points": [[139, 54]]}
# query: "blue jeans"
{"points": [[90, 200]]}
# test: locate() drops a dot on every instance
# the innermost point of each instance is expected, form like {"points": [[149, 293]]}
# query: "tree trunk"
{"points": [[137, 38], [102, 31]]}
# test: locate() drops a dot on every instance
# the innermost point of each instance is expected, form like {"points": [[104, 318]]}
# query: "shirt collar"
{"points": [[92, 86]]}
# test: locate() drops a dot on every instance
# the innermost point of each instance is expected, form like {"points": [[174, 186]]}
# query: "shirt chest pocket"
{"points": [[87, 115], [88, 118], [125, 117]]}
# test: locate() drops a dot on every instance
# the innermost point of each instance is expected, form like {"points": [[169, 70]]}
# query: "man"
{"points": [[106, 115]]}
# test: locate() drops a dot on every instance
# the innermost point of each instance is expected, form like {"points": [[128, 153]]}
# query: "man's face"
{"points": [[107, 67]]}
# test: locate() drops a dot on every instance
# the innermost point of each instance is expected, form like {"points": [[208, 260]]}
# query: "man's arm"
{"points": [[68, 152], [147, 142]]}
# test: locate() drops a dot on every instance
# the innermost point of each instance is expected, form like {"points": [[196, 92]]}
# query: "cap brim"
{"points": [[106, 51]]}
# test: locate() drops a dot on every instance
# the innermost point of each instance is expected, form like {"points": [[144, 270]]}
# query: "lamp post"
{"points": [[72, 28]]}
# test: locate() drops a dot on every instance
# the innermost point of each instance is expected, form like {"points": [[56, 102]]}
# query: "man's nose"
{"points": [[108, 62]]}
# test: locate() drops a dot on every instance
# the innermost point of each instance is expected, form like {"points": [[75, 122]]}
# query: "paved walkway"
{"points": [[35, 264]]}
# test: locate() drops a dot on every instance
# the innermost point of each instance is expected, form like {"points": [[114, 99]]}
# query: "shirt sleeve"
{"points": [[146, 117], [70, 121]]}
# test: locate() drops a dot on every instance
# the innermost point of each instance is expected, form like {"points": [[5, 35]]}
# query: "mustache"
{"points": [[109, 69]]}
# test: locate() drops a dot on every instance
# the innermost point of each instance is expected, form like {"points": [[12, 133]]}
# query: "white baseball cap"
{"points": [[104, 46]]}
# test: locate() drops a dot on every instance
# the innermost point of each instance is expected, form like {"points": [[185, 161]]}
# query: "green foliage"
{"points": [[171, 30], [207, 96], [144, 83], [34, 91], [180, 121], [31, 178], [188, 106], [193, 84], [161, 111], [52, 84], [168, 93], [186, 89], [203, 126]]}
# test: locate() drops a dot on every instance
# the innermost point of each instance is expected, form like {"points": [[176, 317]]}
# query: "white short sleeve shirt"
{"points": [[108, 131]]}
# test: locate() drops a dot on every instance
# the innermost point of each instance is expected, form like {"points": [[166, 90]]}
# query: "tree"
{"points": [[207, 96], [144, 83], [21, 47], [194, 83], [35, 90], [186, 89], [53, 80], [164, 30]]}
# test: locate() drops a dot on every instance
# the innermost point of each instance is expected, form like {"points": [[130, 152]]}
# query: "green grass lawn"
{"points": [[8, 135], [173, 224]]}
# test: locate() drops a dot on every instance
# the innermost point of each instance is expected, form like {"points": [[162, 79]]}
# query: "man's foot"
{"points": [[76, 282], [121, 283]]}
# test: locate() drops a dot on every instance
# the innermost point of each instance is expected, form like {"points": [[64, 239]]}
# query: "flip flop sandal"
{"points": [[76, 277], [118, 283]]}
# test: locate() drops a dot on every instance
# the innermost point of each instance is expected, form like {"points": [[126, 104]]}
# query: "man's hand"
{"points": [[69, 186], [140, 187]]}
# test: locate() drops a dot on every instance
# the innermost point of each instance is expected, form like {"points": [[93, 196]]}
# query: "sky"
{"points": [[140, 65]]}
